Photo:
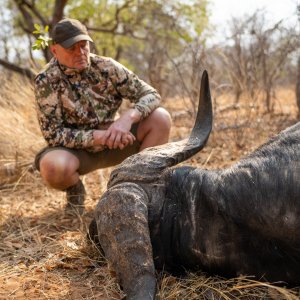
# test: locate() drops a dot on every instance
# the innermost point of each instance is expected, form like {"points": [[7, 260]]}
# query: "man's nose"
{"points": [[79, 50]]}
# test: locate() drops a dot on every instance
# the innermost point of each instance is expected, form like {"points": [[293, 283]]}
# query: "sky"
{"points": [[223, 10]]}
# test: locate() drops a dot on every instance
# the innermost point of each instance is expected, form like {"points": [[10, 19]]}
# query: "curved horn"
{"points": [[149, 163]]}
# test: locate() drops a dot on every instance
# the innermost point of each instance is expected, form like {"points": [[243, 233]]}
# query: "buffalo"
{"points": [[244, 219]]}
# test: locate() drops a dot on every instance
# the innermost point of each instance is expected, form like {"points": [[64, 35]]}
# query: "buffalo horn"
{"points": [[149, 163]]}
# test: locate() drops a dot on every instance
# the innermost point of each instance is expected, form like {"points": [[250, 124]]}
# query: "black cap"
{"points": [[68, 32]]}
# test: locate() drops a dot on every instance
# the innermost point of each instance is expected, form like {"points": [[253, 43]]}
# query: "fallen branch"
{"points": [[24, 71]]}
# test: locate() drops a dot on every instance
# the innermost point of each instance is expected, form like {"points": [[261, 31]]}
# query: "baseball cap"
{"points": [[69, 31]]}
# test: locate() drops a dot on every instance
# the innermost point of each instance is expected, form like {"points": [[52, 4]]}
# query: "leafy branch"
{"points": [[43, 40]]}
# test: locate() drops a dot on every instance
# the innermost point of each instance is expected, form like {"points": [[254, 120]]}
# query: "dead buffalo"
{"points": [[241, 220]]}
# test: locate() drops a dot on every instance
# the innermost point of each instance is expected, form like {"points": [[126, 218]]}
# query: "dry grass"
{"points": [[44, 253]]}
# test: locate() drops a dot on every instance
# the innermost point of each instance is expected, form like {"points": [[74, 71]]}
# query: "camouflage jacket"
{"points": [[71, 104]]}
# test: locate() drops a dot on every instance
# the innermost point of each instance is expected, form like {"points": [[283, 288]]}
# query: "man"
{"points": [[78, 95]]}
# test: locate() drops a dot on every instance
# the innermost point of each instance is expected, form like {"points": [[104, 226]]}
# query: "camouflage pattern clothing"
{"points": [[71, 103]]}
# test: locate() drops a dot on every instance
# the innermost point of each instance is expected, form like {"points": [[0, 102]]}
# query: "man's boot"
{"points": [[75, 198]]}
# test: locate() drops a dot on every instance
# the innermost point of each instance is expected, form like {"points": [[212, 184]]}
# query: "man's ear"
{"points": [[53, 50]]}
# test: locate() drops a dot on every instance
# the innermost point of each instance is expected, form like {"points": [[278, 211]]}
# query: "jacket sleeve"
{"points": [[51, 119], [130, 86]]}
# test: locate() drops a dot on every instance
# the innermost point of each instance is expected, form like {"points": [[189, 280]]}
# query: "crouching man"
{"points": [[78, 96]]}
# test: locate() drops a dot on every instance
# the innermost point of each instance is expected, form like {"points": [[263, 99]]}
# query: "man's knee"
{"points": [[161, 117], [58, 169], [158, 124]]}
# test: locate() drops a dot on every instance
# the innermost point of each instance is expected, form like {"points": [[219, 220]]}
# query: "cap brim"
{"points": [[71, 41]]}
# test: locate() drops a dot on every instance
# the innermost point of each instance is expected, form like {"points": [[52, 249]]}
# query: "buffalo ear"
{"points": [[92, 235]]}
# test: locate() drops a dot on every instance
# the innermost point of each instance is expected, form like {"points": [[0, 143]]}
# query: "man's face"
{"points": [[75, 57]]}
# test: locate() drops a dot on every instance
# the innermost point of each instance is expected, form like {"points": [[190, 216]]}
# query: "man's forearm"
{"points": [[118, 135], [147, 104], [131, 116]]}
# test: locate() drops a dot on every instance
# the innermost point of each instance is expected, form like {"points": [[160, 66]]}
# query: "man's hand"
{"points": [[118, 134], [99, 137], [103, 138]]}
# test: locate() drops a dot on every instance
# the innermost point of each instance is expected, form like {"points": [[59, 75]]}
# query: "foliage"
{"points": [[108, 20], [139, 33], [163, 41], [257, 56], [43, 40]]}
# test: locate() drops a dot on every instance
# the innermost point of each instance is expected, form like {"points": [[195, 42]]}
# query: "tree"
{"points": [[298, 87], [128, 30], [298, 68], [258, 54], [168, 28]]}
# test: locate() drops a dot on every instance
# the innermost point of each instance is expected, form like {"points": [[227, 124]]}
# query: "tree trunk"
{"points": [[298, 87], [58, 11]]}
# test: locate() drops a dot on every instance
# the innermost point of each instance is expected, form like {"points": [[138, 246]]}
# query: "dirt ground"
{"points": [[44, 253]]}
